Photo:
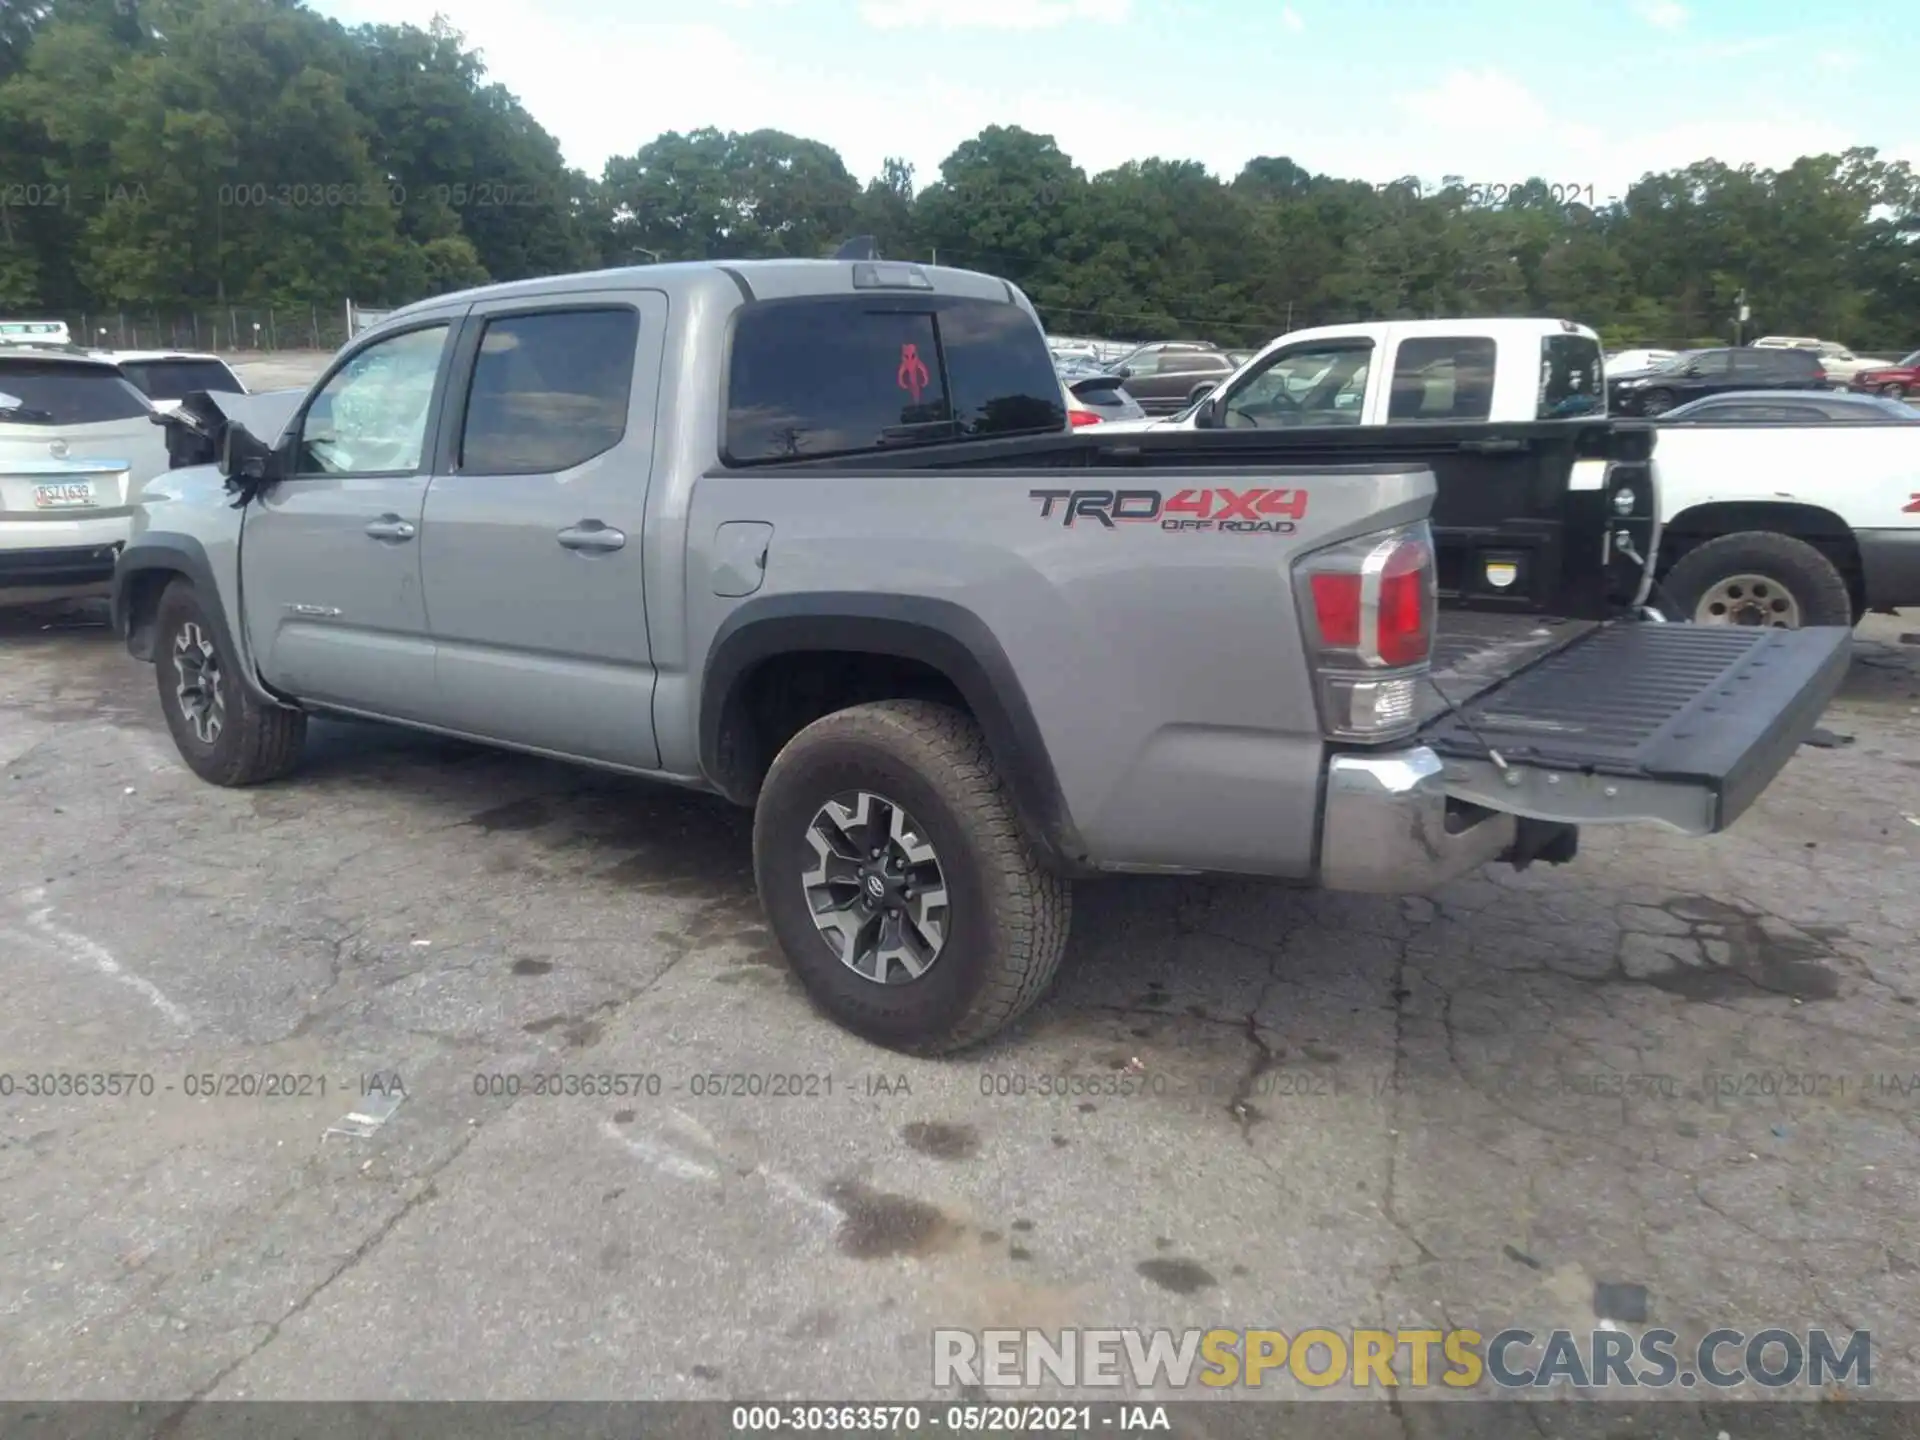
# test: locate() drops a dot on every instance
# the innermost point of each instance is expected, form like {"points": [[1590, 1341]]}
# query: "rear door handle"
{"points": [[390, 527], [591, 536]]}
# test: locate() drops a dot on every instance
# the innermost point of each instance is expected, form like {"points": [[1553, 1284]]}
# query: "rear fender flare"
{"points": [[943, 635]]}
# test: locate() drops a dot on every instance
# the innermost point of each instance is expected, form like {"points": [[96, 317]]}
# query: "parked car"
{"points": [[34, 332], [1095, 396], [1696, 374], [76, 442], [166, 377], [1169, 375], [1895, 381], [1839, 363], [1793, 407], [944, 701], [1788, 522]]}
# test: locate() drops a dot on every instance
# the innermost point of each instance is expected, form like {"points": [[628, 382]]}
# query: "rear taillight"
{"points": [[1082, 417], [1368, 608]]}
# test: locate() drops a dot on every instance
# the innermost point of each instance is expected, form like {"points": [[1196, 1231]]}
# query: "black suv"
{"points": [[1696, 374]]}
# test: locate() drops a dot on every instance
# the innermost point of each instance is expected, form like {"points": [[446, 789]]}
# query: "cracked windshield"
{"points": [[899, 717]]}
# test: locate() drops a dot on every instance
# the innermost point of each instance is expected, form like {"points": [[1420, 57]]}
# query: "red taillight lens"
{"points": [[1403, 636], [1336, 609], [1082, 417], [1368, 607]]}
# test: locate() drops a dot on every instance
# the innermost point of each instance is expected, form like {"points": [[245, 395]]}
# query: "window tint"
{"points": [[835, 376], [1142, 365], [1442, 378], [1571, 367], [549, 391], [371, 417], [1312, 385], [49, 392], [176, 379], [997, 368], [1760, 362]]}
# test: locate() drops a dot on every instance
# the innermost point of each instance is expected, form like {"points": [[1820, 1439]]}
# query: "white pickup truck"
{"points": [[1773, 522]]}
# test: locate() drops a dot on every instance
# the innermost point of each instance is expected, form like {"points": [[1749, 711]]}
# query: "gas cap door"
{"points": [[740, 556]]}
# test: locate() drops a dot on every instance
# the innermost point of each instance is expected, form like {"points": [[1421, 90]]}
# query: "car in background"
{"points": [[34, 332], [1840, 363], [1626, 360], [1895, 381], [166, 377], [1166, 376], [77, 441], [1095, 395], [1696, 374], [1792, 407]]}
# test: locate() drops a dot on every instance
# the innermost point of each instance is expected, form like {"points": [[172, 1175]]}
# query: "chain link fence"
{"points": [[225, 329]]}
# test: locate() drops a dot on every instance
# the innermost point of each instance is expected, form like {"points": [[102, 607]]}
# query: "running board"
{"points": [[1682, 726]]}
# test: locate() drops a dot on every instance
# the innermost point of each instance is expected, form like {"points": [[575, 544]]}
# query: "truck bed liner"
{"points": [[1716, 709]]}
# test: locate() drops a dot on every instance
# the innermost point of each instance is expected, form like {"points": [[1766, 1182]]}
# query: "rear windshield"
{"points": [[176, 379], [1570, 369], [833, 375], [49, 392]]}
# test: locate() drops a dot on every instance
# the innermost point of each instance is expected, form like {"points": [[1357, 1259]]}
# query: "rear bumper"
{"points": [[1389, 827], [35, 560]]}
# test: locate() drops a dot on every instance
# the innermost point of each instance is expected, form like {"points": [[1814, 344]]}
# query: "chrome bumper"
{"points": [[1386, 829]]}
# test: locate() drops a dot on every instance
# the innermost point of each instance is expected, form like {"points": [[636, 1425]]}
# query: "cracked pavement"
{"points": [[1682, 1065]]}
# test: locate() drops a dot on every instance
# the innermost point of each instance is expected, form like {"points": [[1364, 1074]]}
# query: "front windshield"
{"points": [[1907, 362]]}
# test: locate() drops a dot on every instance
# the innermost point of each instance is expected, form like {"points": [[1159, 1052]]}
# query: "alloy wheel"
{"points": [[196, 666], [876, 890]]}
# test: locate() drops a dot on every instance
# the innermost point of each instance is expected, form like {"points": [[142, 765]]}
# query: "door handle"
{"points": [[390, 527], [592, 537]]}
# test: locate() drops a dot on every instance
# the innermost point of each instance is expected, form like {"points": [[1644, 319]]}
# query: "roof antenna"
{"points": [[861, 247]]}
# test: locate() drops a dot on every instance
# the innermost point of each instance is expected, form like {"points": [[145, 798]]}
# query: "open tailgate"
{"points": [[1681, 725]]}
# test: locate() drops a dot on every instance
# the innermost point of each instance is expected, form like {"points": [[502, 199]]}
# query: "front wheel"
{"points": [[225, 733], [1656, 402], [1894, 390], [1758, 578], [899, 882]]}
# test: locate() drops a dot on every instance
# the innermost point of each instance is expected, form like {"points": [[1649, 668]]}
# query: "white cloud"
{"points": [[1662, 14], [988, 14], [1290, 18]]}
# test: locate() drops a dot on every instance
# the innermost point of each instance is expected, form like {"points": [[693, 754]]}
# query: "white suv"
{"points": [[166, 377], [1840, 363], [77, 441]]}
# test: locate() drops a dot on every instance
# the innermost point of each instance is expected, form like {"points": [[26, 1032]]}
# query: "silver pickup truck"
{"points": [[816, 536]]}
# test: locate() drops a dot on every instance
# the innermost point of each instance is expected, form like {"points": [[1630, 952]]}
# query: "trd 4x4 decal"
{"points": [[1255, 511], [1912, 507]]}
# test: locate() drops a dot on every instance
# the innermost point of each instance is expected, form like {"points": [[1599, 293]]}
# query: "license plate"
{"points": [[72, 496]]}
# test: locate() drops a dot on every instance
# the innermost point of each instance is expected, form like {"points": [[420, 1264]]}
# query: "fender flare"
{"points": [[170, 552], [938, 633]]}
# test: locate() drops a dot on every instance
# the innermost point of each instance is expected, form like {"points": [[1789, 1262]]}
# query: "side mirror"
{"points": [[1207, 417], [246, 458]]}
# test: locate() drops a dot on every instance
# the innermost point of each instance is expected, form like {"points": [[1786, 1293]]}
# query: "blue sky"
{"points": [[1580, 93]]}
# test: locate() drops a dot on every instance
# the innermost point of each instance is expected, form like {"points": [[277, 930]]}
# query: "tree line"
{"points": [[172, 154]]}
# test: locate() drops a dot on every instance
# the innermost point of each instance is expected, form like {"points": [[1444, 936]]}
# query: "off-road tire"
{"points": [[1817, 587], [1008, 915], [256, 741]]}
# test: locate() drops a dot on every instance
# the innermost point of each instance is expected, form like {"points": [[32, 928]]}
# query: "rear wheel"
{"points": [[899, 882], [1656, 402], [225, 733], [1758, 578]]}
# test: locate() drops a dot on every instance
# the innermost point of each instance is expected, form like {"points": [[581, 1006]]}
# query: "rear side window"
{"points": [[1570, 383], [1443, 377], [549, 391], [176, 379], [833, 376], [48, 392]]}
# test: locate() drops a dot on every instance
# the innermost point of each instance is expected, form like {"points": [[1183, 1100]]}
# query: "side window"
{"points": [[814, 378], [371, 417], [1442, 378], [549, 391], [1311, 385], [1139, 367], [1571, 368], [1760, 364]]}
